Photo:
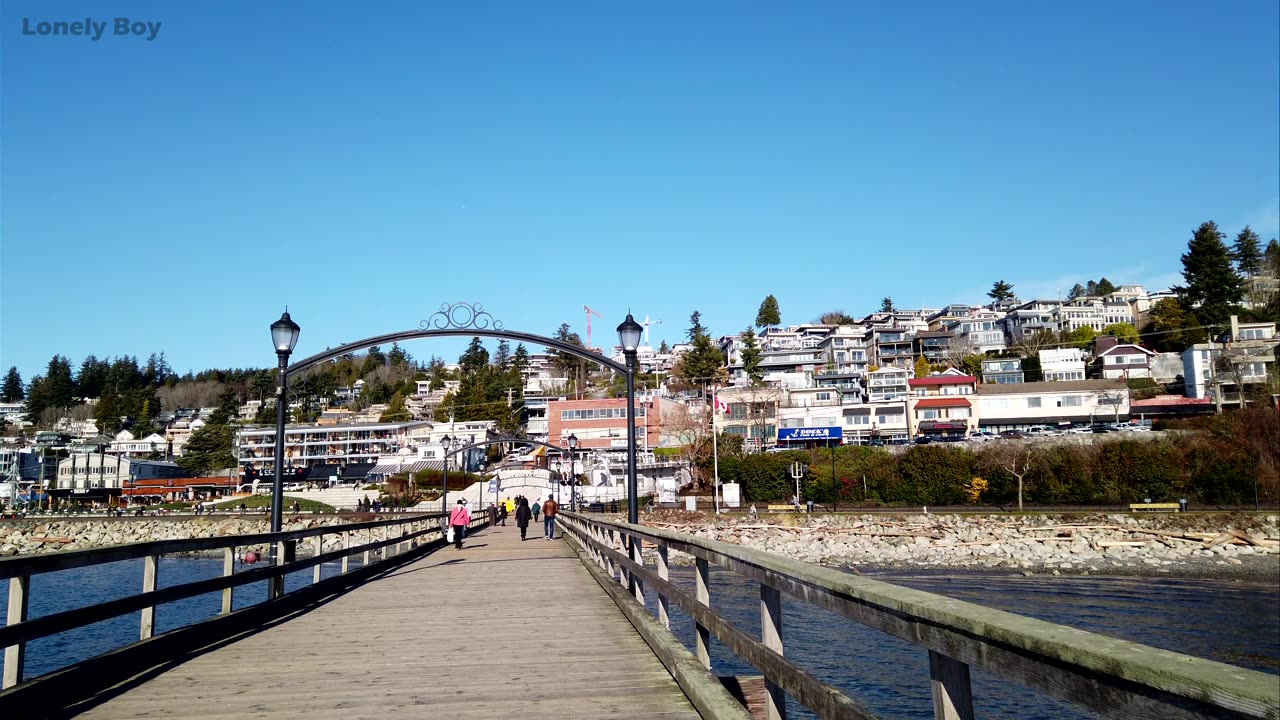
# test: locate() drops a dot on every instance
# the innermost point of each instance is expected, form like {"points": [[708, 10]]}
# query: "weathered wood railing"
{"points": [[399, 535], [1113, 677]]}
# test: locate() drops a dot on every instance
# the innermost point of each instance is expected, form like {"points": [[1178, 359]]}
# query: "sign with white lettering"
{"points": [[814, 433]]}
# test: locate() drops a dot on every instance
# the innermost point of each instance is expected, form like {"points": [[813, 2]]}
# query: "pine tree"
{"points": [[1104, 287], [12, 391], [1167, 329], [1077, 290], [751, 356], [886, 304], [1091, 288], [1248, 252], [228, 408], [398, 357], [1001, 291], [1271, 257], [664, 347], [703, 362], [768, 315], [1213, 286], [396, 411]]}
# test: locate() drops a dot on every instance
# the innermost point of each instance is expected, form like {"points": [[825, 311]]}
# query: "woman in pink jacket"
{"points": [[460, 519]]}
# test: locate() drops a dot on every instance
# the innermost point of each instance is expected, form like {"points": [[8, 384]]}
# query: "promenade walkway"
{"points": [[502, 629]]}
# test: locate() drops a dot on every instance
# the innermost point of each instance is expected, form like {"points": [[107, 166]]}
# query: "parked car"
{"points": [[1013, 434], [1102, 428], [924, 440], [982, 435]]}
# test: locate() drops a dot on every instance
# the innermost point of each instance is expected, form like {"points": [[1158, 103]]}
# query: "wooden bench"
{"points": [[782, 508], [1154, 507]]}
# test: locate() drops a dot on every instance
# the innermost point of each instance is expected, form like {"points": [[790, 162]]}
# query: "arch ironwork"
{"points": [[456, 320]]}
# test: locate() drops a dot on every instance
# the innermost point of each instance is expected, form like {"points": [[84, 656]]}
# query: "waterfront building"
{"points": [[1026, 405], [942, 405]]}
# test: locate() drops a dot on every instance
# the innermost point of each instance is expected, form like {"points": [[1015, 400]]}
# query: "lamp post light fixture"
{"points": [[629, 332], [445, 442], [284, 336]]}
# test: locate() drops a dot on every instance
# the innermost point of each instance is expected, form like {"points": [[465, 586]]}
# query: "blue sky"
{"points": [[662, 157]]}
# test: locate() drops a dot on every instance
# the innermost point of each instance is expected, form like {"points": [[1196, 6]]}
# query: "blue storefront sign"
{"points": [[814, 433]]}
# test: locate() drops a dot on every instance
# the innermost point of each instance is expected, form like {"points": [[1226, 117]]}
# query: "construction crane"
{"points": [[590, 312], [647, 322]]}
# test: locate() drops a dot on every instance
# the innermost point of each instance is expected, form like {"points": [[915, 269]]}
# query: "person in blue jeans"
{"points": [[549, 510]]}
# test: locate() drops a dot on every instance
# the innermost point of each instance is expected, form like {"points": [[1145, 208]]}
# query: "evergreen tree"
{"points": [[1213, 286], [373, 359], [886, 304], [106, 414], [209, 448], [474, 357], [751, 356], [55, 389], [396, 411], [1104, 287], [1091, 288], [228, 408], [1248, 252], [922, 367], [1271, 257], [398, 357], [1001, 291], [836, 317], [520, 359], [664, 347], [12, 391], [768, 315], [1168, 327], [1077, 290], [703, 362], [92, 378], [502, 358]]}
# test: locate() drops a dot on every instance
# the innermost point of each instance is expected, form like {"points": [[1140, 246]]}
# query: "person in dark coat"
{"points": [[502, 514], [523, 514]]}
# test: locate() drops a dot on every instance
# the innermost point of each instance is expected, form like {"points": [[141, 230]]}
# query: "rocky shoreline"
{"points": [[1237, 545], [20, 537]]}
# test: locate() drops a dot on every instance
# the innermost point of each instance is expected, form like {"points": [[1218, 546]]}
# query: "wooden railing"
{"points": [[1113, 677], [399, 535]]}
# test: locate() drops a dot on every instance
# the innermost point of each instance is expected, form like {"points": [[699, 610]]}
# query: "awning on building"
{"points": [[942, 426], [942, 402], [357, 471]]}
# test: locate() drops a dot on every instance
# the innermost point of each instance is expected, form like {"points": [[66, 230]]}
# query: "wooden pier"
{"points": [[502, 628]]}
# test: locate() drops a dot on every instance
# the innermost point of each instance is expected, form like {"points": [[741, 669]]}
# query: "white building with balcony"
{"points": [[1062, 364], [1021, 406], [887, 385]]}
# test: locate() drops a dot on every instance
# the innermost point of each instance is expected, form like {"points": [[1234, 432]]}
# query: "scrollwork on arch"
{"points": [[461, 316]]}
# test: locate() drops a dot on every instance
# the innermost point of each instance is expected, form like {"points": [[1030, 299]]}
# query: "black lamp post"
{"points": [[573, 476], [445, 442], [284, 335], [629, 336]]}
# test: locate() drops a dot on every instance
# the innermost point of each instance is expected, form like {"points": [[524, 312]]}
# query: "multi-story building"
{"points": [[307, 445], [933, 345], [1002, 371], [858, 424], [887, 385], [1246, 358], [127, 445], [1062, 364], [983, 333], [1114, 359], [97, 476], [26, 465], [602, 423], [942, 405], [1030, 318], [1021, 406], [893, 347]]}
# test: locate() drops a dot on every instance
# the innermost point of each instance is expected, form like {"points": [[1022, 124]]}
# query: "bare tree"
{"points": [[1115, 398], [958, 350], [691, 428], [1028, 346], [1016, 457]]}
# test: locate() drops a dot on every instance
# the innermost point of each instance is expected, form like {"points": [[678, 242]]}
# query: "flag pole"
{"points": [[715, 446]]}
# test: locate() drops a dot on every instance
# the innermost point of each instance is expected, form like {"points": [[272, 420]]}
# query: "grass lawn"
{"points": [[257, 502]]}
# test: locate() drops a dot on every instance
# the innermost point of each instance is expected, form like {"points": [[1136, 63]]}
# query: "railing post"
{"points": [[386, 535], [15, 655], [771, 636], [150, 574], [228, 569], [637, 557], [704, 598], [664, 573], [624, 574], [613, 570], [952, 697], [364, 558], [318, 551], [346, 547]]}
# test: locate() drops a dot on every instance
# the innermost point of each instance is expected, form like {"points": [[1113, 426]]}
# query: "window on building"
{"points": [[1033, 402], [822, 396], [960, 412], [928, 414], [1070, 401], [792, 422]]}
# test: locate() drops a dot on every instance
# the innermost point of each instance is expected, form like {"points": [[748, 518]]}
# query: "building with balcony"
{"points": [[1246, 358], [1002, 371], [933, 345], [888, 385], [1114, 359], [893, 347], [601, 424], [1062, 364], [978, 335], [308, 445], [127, 445], [942, 405]]}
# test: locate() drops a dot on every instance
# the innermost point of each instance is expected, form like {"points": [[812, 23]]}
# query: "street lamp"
{"points": [[284, 335], [629, 337], [445, 442], [573, 476]]}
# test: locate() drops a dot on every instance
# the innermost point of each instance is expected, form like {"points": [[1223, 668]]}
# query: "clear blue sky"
{"points": [[364, 163]]}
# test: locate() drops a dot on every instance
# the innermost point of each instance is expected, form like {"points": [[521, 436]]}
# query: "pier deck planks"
{"points": [[500, 629]]}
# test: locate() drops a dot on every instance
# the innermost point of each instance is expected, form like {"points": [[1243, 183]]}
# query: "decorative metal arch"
{"points": [[503, 441], [456, 320]]}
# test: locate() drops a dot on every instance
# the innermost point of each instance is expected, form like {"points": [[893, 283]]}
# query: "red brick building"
{"points": [[603, 423]]}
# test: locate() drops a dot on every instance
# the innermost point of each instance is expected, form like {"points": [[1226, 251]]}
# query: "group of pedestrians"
{"points": [[525, 511]]}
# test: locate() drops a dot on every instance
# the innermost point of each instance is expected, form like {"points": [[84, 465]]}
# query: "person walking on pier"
{"points": [[536, 507], [459, 519], [549, 510], [522, 517], [502, 514]]}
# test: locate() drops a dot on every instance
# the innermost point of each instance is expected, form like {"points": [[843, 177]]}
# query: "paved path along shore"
{"points": [[503, 628]]}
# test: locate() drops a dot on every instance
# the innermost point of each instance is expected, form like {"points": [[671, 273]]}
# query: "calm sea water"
{"points": [[1233, 622]]}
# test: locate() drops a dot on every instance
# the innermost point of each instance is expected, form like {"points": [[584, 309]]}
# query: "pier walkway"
{"points": [[503, 628]]}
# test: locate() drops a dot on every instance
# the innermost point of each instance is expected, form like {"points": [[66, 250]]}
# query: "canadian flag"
{"points": [[720, 405]]}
